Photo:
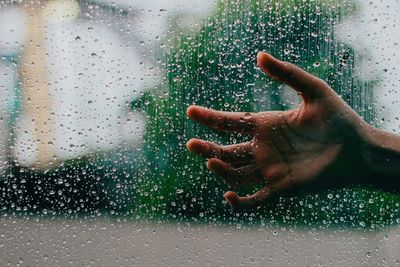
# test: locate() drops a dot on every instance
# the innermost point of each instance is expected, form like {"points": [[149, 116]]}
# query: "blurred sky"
{"points": [[375, 34]]}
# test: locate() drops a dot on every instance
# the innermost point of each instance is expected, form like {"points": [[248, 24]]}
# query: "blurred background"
{"points": [[92, 111]]}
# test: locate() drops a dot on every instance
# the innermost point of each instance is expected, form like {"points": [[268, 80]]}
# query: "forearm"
{"points": [[382, 158]]}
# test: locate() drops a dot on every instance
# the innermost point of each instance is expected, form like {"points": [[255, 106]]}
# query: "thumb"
{"points": [[303, 82]]}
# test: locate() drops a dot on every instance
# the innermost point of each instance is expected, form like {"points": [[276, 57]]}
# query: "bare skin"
{"points": [[322, 144]]}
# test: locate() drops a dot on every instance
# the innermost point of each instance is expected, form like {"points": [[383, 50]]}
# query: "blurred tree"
{"points": [[215, 67]]}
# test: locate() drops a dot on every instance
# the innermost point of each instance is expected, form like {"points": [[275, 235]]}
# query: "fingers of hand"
{"points": [[305, 83], [239, 122], [238, 153], [247, 202], [260, 197], [246, 175]]}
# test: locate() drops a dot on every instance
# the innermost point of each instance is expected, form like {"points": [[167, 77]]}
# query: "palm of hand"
{"points": [[290, 149], [286, 155]]}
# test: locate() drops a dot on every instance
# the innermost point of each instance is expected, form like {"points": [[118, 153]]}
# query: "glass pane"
{"points": [[94, 168]]}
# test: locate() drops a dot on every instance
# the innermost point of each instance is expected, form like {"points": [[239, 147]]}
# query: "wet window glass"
{"points": [[94, 126]]}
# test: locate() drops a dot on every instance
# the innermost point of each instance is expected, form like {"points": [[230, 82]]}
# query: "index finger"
{"points": [[240, 122]]}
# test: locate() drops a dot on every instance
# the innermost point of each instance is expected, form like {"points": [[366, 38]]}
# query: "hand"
{"points": [[315, 146]]}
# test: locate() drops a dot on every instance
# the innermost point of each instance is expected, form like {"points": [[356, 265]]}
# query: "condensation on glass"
{"points": [[93, 127]]}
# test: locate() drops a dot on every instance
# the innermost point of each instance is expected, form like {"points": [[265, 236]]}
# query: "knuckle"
{"points": [[321, 83], [273, 173], [291, 73], [218, 150], [248, 117], [321, 87], [288, 64]]}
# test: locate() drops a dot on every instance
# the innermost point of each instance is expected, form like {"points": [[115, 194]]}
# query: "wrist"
{"points": [[369, 147], [380, 152]]}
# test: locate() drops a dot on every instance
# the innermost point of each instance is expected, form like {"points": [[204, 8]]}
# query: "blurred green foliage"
{"points": [[216, 67]]}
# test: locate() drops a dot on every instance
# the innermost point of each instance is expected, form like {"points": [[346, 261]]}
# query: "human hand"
{"points": [[312, 147]]}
